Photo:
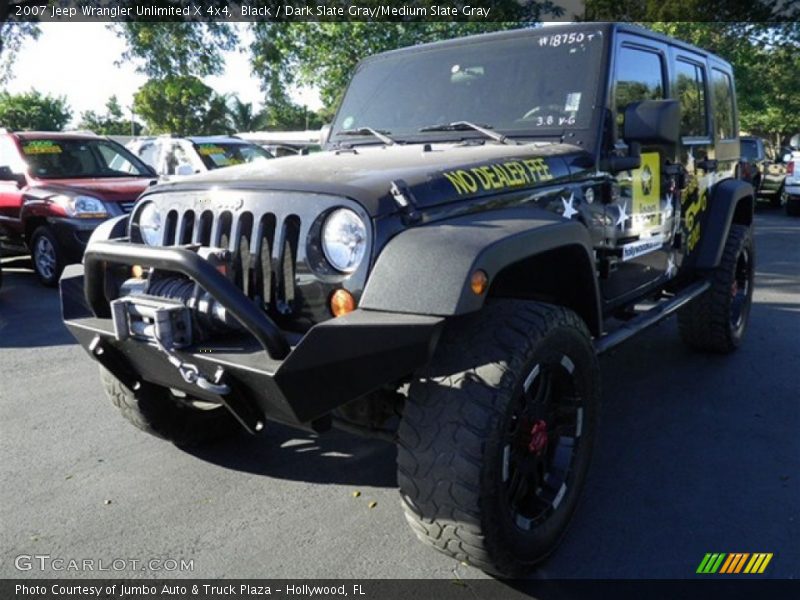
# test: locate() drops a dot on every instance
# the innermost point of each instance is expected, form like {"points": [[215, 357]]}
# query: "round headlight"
{"points": [[344, 240], [150, 224]]}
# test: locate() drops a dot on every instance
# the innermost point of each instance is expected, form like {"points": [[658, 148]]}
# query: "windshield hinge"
{"points": [[405, 200]]}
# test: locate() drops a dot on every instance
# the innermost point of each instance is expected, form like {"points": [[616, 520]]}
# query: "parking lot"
{"points": [[696, 454]]}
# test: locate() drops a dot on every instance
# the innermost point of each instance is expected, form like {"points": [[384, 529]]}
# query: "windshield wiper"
{"points": [[465, 126], [381, 135]]}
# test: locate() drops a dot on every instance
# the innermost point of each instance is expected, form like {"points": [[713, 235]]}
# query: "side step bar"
{"points": [[651, 317]]}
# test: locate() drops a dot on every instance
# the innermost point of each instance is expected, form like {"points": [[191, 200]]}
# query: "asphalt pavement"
{"points": [[695, 454]]}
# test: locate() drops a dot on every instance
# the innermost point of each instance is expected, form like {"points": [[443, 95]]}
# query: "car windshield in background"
{"points": [[67, 159], [749, 150], [224, 154], [529, 85]]}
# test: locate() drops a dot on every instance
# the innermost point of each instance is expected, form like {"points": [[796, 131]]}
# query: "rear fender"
{"points": [[731, 201]]}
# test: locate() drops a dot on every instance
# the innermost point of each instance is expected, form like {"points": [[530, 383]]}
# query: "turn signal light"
{"points": [[342, 302], [479, 282]]}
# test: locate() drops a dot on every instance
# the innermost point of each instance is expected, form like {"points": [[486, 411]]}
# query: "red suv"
{"points": [[55, 188]]}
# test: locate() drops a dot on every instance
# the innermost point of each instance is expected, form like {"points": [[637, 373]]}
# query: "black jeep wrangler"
{"points": [[490, 214]]}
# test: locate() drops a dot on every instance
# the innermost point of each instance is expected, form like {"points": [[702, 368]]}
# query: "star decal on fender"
{"points": [[671, 268], [623, 215], [668, 207], [569, 209]]}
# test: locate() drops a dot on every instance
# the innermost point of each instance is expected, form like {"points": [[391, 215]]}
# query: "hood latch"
{"points": [[404, 198]]}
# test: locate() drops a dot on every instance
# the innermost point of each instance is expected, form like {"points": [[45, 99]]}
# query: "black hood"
{"points": [[434, 174]]}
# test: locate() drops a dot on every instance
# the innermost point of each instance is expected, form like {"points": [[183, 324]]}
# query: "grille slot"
{"points": [[263, 255], [170, 224], [202, 233], [287, 260], [127, 207]]}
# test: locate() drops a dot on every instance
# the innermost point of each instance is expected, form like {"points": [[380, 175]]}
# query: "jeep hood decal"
{"points": [[433, 173]]}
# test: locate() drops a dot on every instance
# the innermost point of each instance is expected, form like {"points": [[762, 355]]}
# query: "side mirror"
{"points": [[324, 134], [649, 123], [184, 169], [6, 174], [653, 122]]}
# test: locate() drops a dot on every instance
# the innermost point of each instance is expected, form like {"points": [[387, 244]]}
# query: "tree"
{"points": [[765, 62], [113, 122], [324, 54], [182, 105], [33, 111], [12, 36], [759, 39], [243, 116], [176, 48]]}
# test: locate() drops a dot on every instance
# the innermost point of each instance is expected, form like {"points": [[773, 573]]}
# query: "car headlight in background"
{"points": [[81, 207], [150, 224], [344, 239]]}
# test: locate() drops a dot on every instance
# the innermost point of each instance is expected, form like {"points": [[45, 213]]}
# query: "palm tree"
{"points": [[243, 116]]}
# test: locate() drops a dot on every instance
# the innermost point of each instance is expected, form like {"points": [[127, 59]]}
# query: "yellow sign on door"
{"points": [[647, 185]]}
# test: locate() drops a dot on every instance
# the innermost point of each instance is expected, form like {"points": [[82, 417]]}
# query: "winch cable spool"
{"points": [[209, 315]]}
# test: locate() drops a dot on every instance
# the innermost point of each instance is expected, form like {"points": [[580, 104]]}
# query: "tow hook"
{"points": [[191, 374]]}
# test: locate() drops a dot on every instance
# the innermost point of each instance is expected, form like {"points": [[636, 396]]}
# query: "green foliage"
{"points": [[113, 122], [283, 114], [182, 105], [243, 116], [33, 111], [12, 36], [765, 62], [167, 49], [324, 54]]}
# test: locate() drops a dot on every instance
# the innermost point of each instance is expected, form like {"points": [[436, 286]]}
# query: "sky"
{"points": [[76, 60]]}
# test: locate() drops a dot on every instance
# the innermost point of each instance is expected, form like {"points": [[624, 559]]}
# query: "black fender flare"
{"points": [[112, 229], [731, 201], [427, 269]]}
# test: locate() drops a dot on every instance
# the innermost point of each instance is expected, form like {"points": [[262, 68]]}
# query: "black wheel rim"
{"points": [[542, 443], [740, 290]]}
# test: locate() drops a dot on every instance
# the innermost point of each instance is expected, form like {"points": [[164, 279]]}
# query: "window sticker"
{"points": [[573, 102], [348, 123], [210, 149], [224, 161], [41, 147]]}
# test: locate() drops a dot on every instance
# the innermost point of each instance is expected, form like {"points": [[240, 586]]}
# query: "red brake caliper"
{"points": [[538, 443]]}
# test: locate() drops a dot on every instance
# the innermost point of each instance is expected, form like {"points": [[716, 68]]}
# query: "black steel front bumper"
{"points": [[298, 383]]}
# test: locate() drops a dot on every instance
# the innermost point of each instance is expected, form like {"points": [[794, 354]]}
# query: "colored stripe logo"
{"points": [[733, 563]]}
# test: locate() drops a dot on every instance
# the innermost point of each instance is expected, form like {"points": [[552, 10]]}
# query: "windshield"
{"points": [[539, 84], [227, 154], [76, 159], [749, 149]]}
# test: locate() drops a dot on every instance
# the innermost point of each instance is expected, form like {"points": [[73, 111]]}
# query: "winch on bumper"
{"points": [[257, 371]]}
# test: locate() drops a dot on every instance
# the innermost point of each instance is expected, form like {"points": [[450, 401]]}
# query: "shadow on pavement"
{"points": [[30, 314], [282, 452]]}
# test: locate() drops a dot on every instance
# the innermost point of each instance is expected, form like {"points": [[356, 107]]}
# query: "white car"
{"points": [[790, 198], [177, 157]]}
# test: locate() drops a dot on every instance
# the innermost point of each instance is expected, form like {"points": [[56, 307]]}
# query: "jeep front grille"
{"points": [[262, 246]]}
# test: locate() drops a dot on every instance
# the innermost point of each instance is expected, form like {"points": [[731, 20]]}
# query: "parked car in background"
{"points": [[172, 156], [56, 188], [285, 143], [762, 167], [790, 192]]}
